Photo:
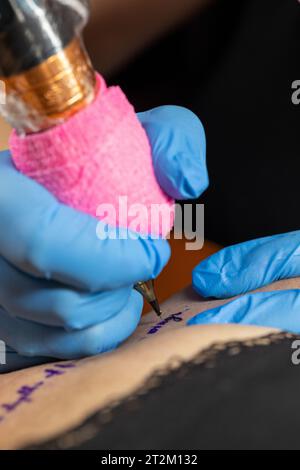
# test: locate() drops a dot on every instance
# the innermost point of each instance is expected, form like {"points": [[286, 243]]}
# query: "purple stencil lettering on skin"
{"points": [[176, 317], [25, 393]]}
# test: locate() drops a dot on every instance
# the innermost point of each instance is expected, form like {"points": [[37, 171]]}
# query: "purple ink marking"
{"points": [[6, 407], [176, 317], [153, 331], [52, 372], [26, 392], [70, 365]]}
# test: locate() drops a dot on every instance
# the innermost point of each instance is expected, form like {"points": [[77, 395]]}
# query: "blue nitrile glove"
{"points": [[244, 268], [63, 292]]}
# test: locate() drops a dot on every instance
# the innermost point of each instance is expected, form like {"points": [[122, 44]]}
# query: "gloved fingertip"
{"points": [[188, 164], [178, 143], [183, 176], [233, 311]]}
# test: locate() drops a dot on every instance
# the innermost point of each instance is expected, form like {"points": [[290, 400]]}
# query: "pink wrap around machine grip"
{"points": [[98, 155]]}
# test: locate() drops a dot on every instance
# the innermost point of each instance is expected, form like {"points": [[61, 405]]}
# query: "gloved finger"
{"points": [[54, 304], [50, 240], [33, 340], [178, 146], [248, 266], [270, 309]]}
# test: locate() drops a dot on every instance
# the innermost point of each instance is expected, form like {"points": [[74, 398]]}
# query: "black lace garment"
{"points": [[230, 396], [234, 65]]}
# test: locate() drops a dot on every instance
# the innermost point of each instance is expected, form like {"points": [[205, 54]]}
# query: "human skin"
{"points": [[65, 401], [96, 382]]}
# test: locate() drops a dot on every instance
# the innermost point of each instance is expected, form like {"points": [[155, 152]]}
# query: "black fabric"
{"points": [[234, 66], [234, 396]]}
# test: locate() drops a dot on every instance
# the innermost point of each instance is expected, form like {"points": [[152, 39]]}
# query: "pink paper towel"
{"points": [[97, 156]]}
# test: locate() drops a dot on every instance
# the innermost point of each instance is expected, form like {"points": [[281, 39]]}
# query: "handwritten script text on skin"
{"points": [[176, 317]]}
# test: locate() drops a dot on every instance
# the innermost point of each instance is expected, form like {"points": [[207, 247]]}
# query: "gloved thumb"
{"points": [[178, 143]]}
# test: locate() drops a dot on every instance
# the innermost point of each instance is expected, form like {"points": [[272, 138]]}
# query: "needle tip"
{"points": [[156, 308]]}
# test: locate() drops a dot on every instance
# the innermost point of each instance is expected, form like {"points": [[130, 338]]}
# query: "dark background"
{"points": [[234, 65]]}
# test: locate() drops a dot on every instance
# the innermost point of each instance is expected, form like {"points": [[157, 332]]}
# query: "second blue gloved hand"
{"points": [[248, 266], [63, 292]]}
